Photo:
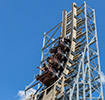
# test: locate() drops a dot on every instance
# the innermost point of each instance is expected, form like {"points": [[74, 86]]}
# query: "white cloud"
{"points": [[103, 77], [21, 93]]}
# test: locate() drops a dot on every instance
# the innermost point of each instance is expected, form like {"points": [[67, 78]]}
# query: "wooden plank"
{"points": [[64, 21]]}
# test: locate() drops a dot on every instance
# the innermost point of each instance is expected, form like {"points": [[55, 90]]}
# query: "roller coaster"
{"points": [[70, 65]]}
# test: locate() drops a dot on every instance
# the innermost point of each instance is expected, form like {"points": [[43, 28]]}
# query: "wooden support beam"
{"points": [[64, 21], [73, 34]]}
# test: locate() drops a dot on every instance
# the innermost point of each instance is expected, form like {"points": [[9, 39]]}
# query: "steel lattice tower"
{"points": [[80, 79]]}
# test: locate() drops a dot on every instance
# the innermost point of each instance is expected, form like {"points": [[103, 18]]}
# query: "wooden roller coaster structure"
{"points": [[70, 66]]}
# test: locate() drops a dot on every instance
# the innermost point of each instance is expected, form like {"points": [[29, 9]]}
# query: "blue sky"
{"points": [[22, 23]]}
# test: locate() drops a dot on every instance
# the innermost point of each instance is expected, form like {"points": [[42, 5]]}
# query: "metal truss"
{"points": [[81, 78], [87, 84]]}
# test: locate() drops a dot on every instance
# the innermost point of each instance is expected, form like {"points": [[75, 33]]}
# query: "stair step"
{"points": [[75, 40], [78, 31], [73, 53], [71, 61], [68, 31], [79, 36], [58, 88]]}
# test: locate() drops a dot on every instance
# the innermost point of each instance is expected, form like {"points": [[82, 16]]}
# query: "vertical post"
{"points": [[98, 53], [42, 52], [83, 75], [63, 34], [74, 13], [40, 72], [64, 21], [62, 86], [54, 92], [90, 89], [73, 33], [44, 96], [31, 96]]}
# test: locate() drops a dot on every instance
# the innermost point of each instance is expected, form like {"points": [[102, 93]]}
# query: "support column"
{"points": [[73, 33], [87, 40], [74, 13], [64, 21]]}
